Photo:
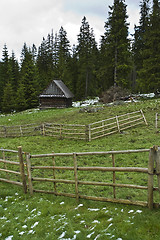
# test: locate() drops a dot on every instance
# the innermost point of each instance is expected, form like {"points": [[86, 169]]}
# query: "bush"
{"points": [[114, 94]]}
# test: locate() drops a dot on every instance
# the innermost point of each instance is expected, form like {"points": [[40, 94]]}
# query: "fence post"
{"points": [[143, 117], [118, 124], [43, 129], [54, 176], [158, 167], [29, 173], [150, 176], [114, 175], [5, 131], [23, 176], [156, 122], [76, 175], [88, 133], [5, 166]]}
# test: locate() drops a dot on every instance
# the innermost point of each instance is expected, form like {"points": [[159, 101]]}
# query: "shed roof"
{"points": [[57, 89]]}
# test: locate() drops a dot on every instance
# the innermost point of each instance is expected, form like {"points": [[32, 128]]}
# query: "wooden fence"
{"points": [[45, 175], [47, 172], [116, 124], [12, 167], [72, 131], [77, 131], [21, 130]]}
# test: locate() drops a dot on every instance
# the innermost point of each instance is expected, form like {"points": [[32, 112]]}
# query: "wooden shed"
{"points": [[56, 95]]}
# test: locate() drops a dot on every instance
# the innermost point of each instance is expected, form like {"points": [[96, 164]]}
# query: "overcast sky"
{"points": [[31, 20]]}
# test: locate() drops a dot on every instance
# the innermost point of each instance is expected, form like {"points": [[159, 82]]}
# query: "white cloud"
{"points": [[31, 20]]}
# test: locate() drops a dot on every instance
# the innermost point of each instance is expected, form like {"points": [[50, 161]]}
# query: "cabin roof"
{"points": [[57, 89]]}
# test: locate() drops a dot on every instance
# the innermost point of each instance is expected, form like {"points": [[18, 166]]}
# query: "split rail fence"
{"points": [[77, 131], [46, 173]]}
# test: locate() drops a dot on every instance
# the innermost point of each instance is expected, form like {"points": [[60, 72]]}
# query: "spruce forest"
{"points": [[88, 68]]}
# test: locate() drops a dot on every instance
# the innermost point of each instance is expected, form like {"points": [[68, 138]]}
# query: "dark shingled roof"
{"points": [[57, 89]]}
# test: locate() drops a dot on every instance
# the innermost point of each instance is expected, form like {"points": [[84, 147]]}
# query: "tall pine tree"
{"points": [[115, 48], [87, 59], [149, 75], [139, 43], [29, 80]]}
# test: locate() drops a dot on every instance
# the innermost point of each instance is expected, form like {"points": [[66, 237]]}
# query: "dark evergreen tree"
{"points": [[139, 44], [63, 57], [8, 80], [8, 100], [45, 61], [115, 48], [29, 78], [149, 75], [87, 58], [21, 101], [14, 72], [4, 76]]}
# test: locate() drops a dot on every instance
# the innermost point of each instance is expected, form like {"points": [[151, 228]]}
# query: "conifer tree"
{"points": [[115, 48], [29, 78], [8, 81], [8, 101], [86, 55], [149, 75], [63, 57], [139, 44]]}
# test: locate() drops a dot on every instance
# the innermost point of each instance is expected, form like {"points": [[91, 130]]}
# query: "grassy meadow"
{"points": [[43, 216]]}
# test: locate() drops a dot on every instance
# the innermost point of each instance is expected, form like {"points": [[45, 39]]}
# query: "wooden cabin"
{"points": [[56, 95]]}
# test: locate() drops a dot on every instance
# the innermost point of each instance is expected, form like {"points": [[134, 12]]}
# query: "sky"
{"points": [[28, 21]]}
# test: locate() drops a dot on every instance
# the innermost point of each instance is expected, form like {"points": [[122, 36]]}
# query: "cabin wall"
{"points": [[54, 102]]}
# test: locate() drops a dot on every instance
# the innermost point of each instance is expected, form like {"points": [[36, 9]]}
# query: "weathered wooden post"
{"points": [[43, 129], [114, 175], [143, 117], [22, 171], [152, 156], [158, 166], [88, 133], [5, 165], [118, 124], [54, 176], [29, 173], [76, 176], [156, 125]]}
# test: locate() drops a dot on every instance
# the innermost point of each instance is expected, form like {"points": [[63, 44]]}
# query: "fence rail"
{"points": [[13, 170], [50, 172], [77, 131], [116, 124]]}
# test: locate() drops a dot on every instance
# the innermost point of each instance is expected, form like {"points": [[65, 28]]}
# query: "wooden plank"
{"points": [[9, 162], [12, 182], [53, 180], [9, 171], [117, 169], [53, 167], [113, 185], [122, 201]]}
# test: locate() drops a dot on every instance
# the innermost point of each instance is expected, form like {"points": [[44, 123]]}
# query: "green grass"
{"points": [[50, 217]]}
